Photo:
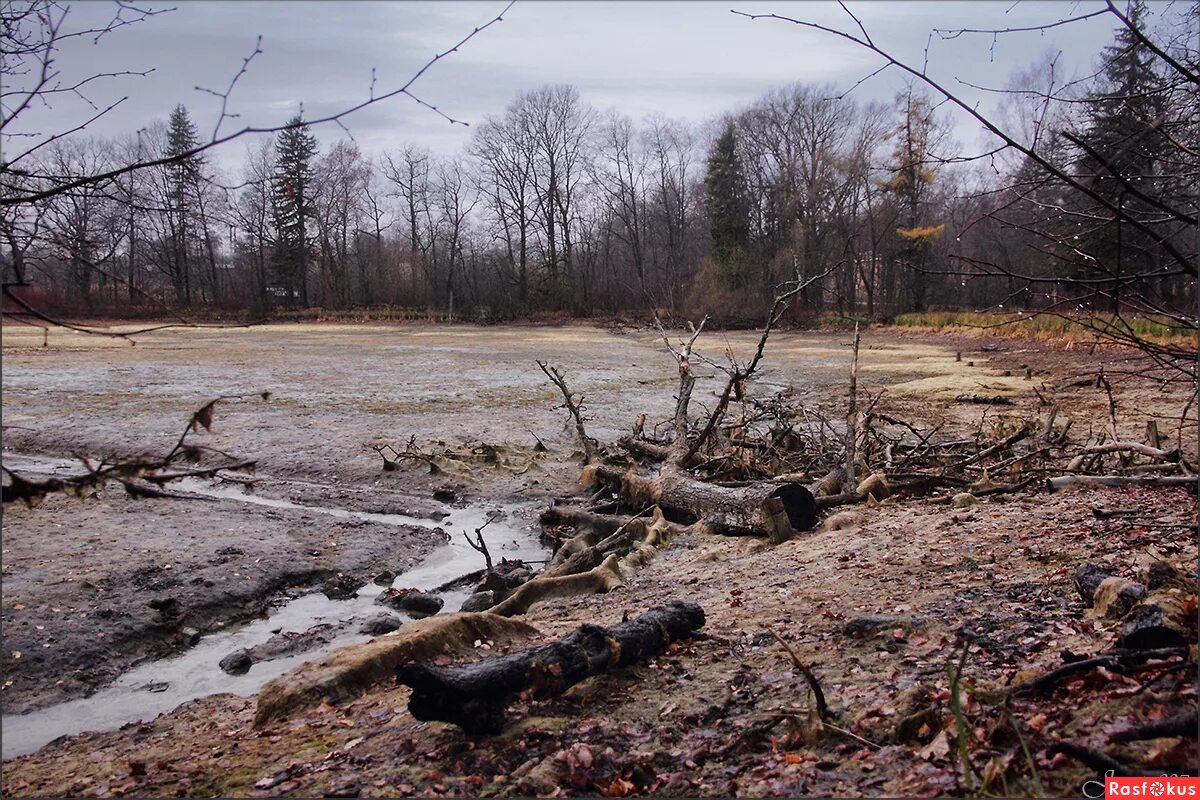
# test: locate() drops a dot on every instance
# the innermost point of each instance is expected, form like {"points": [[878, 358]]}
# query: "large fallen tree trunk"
{"points": [[474, 696], [745, 510]]}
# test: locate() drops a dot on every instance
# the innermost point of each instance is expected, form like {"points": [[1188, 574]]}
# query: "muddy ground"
{"points": [[78, 575]]}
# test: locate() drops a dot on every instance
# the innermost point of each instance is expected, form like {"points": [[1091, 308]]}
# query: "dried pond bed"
{"points": [[340, 389]]}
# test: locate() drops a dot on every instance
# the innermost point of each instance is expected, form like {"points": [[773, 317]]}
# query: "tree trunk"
{"points": [[743, 510], [474, 696]]}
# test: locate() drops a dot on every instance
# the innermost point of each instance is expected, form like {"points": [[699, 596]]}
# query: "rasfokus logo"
{"points": [[1162, 786]]}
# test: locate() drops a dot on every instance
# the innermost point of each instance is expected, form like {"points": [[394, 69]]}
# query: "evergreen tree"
{"points": [[1124, 132], [292, 205], [910, 184], [728, 209], [183, 176]]}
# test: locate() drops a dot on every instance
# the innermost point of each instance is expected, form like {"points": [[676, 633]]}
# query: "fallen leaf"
{"points": [[939, 748]]}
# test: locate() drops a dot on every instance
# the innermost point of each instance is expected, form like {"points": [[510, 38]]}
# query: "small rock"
{"points": [[518, 577], [480, 601], [380, 624], [384, 578], [1115, 596], [288, 643], [188, 636], [349, 788], [444, 495], [421, 603], [341, 587], [964, 500], [413, 601], [231, 551], [237, 663], [873, 624], [1088, 578], [1149, 627], [157, 686], [1160, 574], [167, 606]]}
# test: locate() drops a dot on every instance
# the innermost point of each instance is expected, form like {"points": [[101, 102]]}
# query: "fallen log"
{"points": [[984, 399], [475, 696], [1155, 453], [1159, 620], [656, 451], [730, 510], [1070, 481], [351, 670]]}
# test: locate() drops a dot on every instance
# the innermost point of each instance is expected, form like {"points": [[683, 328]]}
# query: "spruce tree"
{"points": [[728, 209], [291, 199], [182, 195], [1123, 131]]}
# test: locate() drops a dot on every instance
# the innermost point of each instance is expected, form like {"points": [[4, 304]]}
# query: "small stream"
{"points": [[159, 686]]}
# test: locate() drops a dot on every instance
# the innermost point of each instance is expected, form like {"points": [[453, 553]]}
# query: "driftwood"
{"points": [[603, 578], [741, 510], [1135, 447], [1071, 481], [474, 696]]}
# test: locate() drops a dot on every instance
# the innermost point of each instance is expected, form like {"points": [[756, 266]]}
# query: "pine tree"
{"points": [[291, 200], [183, 187], [728, 209]]}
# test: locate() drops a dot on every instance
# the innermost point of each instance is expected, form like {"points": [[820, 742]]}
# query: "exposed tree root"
{"points": [[351, 670]]}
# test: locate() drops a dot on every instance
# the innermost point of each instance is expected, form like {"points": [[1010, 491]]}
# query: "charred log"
{"points": [[475, 696]]}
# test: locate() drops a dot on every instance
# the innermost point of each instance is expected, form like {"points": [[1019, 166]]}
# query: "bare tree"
{"points": [[1114, 197], [33, 33]]}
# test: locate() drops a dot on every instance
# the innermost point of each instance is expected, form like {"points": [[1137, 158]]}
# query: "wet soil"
{"points": [[687, 719]]}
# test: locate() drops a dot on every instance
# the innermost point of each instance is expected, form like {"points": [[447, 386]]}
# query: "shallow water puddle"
{"points": [[157, 687]]}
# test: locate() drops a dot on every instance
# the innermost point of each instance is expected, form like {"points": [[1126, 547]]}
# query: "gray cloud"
{"points": [[685, 59]]}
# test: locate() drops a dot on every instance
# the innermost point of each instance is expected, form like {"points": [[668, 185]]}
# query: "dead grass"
{"points": [[1047, 327]]}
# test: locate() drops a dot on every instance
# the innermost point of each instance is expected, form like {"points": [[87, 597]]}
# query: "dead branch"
{"points": [[1070, 481], [1135, 447], [852, 421], [574, 408], [739, 376], [1045, 684], [809, 677], [1097, 760], [479, 545], [158, 471], [1182, 723], [996, 448]]}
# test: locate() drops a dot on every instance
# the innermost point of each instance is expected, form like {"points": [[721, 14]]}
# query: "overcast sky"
{"points": [[683, 59]]}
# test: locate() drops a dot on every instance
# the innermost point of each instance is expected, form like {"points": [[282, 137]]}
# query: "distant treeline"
{"points": [[556, 207]]}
